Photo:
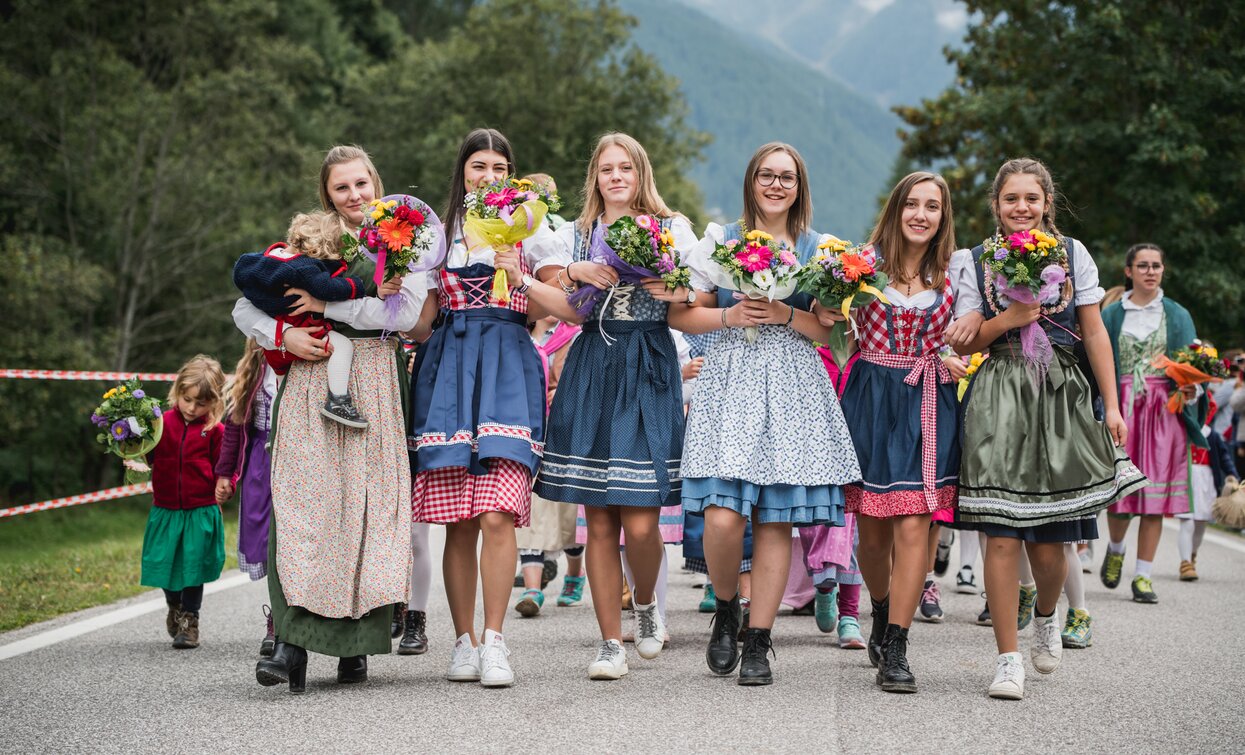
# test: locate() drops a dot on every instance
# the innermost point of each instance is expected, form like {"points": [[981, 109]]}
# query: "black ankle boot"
{"points": [[395, 626], [881, 616], [723, 652], [754, 668], [894, 674], [288, 664], [414, 640], [352, 670]]}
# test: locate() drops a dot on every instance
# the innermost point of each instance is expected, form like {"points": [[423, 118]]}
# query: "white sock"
{"points": [[1074, 585], [969, 548], [1184, 541], [1199, 532], [1114, 547], [421, 567], [1026, 570], [929, 576], [945, 535], [339, 363], [1143, 568]]}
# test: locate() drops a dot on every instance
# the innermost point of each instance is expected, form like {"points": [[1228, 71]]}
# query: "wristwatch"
{"points": [[527, 281], [691, 296]]}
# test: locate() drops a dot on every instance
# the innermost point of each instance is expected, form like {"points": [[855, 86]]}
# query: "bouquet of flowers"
{"points": [[132, 423], [637, 248], [1029, 267], [757, 267], [504, 213], [400, 234], [842, 277], [1197, 363], [971, 364]]}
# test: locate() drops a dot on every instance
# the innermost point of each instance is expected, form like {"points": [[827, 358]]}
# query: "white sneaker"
{"points": [[494, 667], [650, 630], [611, 662], [965, 582], [1009, 677], [1047, 649], [465, 661]]}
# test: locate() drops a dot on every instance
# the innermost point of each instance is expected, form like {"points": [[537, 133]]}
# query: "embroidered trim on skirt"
{"points": [[1035, 456], [1069, 531], [453, 494], [615, 430], [1159, 445]]}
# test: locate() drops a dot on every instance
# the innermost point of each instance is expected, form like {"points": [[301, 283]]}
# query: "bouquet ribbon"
{"points": [[1182, 374], [512, 227], [430, 259], [928, 371], [1035, 344]]}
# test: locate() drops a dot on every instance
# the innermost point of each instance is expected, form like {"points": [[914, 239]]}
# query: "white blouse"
{"points": [[963, 274], [1139, 321], [700, 257], [564, 241]]}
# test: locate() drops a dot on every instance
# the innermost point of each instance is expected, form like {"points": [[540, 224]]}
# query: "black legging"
{"points": [[190, 599]]}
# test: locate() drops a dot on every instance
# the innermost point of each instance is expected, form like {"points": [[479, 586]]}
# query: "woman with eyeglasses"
{"points": [[1143, 325], [766, 440]]}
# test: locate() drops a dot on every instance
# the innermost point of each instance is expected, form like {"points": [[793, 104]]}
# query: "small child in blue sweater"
{"points": [[311, 261]]}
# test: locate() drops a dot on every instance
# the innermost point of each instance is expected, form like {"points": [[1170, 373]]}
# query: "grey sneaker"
{"points": [[341, 409]]}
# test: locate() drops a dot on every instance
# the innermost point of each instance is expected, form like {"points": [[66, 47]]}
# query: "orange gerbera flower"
{"points": [[397, 234], [855, 266]]}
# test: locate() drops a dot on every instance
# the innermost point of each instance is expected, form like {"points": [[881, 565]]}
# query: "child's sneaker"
{"points": [[931, 608], [709, 603], [1143, 590], [187, 637], [965, 581], [983, 618], [464, 661], [1009, 678], [1087, 559], [530, 602], [1047, 648], [1078, 632], [611, 662], [1112, 568], [341, 409], [826, 609], [1188, 572], [495, 668], [650, 631], [1024, 612], [850, 637], [942, 555], [572, 592]]}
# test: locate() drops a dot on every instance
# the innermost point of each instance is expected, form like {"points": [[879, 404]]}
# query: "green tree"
{"points": [[1136, 107]]}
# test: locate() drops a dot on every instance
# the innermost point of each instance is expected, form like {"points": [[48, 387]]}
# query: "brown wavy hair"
{"points": [[203, 374], [887, 237]]}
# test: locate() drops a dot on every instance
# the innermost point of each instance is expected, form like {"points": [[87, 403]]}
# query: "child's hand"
{"points": [[304, 303], [135, 465], [224, 489], [1117, 428]]}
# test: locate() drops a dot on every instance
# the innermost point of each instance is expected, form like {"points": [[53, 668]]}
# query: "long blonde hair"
{"points": [[800, 216], [344, 153], [248, 372], [203, 374], [887, 237], [647, 201]]}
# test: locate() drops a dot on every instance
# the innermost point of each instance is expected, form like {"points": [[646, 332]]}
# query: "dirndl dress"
{"points": [[900, 404], [1035, 464], [477, 423], [1157, 440], [616, 423]]}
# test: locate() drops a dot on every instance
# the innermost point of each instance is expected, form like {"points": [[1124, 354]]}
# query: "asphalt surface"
{"points": [[1161, 678]]}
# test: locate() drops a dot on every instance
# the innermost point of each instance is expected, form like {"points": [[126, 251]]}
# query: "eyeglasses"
{"points": [[1147, 267], [785, 180]]}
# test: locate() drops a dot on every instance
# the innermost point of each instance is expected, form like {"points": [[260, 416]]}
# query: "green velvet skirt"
{"points": [[183, 547], [1034, 454]]}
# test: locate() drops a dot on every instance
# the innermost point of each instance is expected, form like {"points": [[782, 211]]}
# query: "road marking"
{"points": [[1227, 541], [79, 628]]}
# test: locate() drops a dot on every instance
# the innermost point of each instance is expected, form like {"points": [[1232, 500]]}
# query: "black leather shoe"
{"points": [[723, 652], [894, 675], [395, 626], [352, 670], [881, 616], [288, 665], [414, 640], [754, 668]]}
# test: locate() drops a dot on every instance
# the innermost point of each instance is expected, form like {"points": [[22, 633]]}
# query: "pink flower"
{"points": [[1017, 241], [665, 264], [787, 258], [501, 198], [644, 221], [732, 244], [754, 257]]}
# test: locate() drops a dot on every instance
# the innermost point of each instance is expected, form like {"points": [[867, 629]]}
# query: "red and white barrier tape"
{"points": [[155, 377], [124, 491]]}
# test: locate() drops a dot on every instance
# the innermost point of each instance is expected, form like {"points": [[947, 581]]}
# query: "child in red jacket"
{"points": [[184, 546]]}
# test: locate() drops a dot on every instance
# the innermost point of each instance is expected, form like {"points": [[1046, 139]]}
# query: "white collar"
{"points": [[1127, 302]]}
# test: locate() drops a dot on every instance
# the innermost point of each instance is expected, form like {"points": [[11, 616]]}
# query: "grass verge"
{"points": [[54, 562]]}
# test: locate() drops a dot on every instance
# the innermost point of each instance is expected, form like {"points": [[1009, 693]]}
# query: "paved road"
{"points": [[1163, 678]]}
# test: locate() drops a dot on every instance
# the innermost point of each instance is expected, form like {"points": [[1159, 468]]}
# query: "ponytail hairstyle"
{"points": [[647, 200], [1131, 255], [203, 375], [800, 216], [245, 376], [1030, 167], [478, 140], [344, 153], [887, 237]]}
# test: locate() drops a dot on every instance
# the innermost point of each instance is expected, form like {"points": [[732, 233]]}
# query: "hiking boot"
{"points": [[187, 636]]}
